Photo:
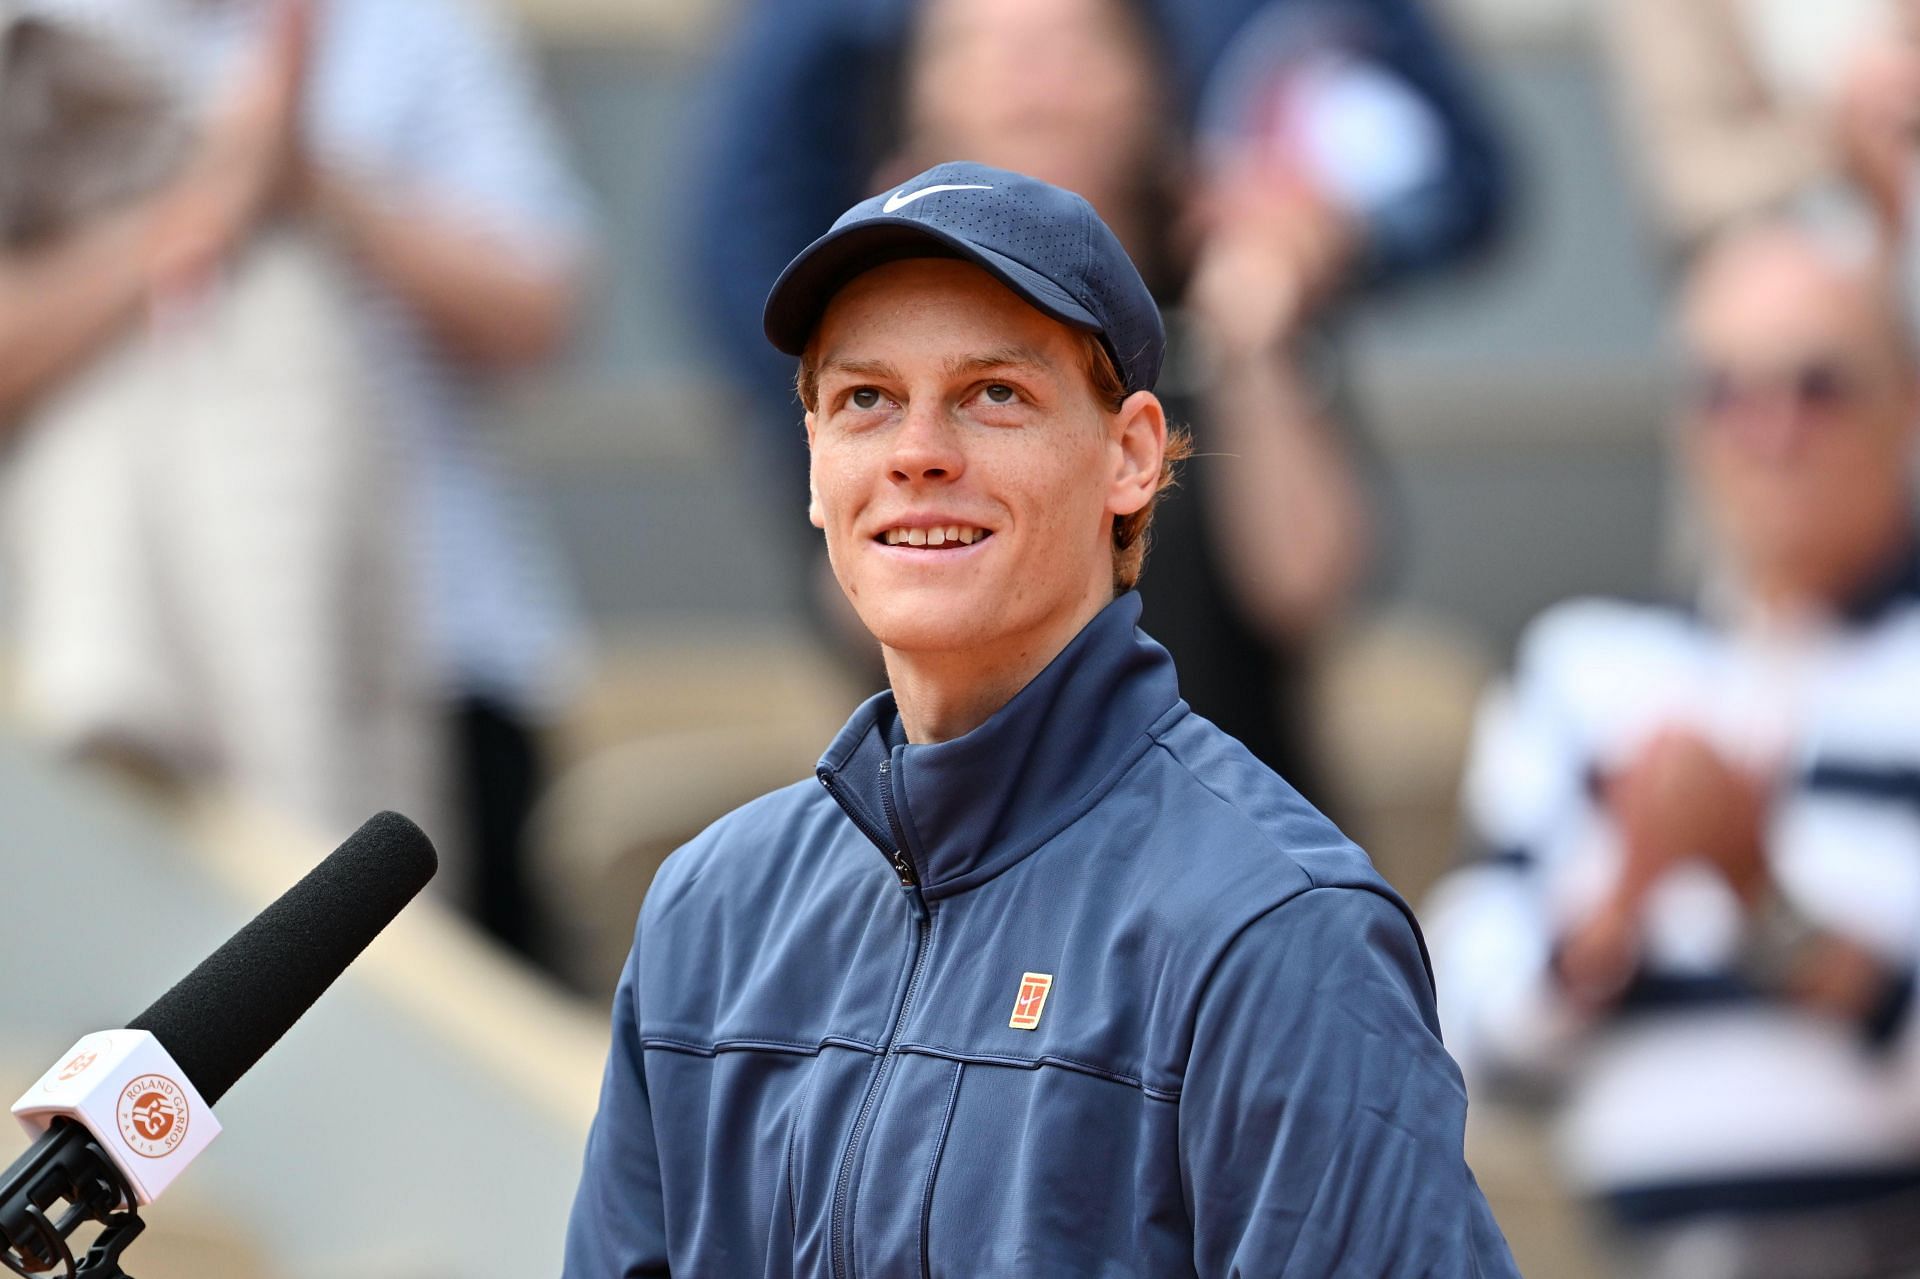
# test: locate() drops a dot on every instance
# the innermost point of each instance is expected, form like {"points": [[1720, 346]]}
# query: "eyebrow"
{"points": [[878, 370], [1016, 356], [1004, 357]]}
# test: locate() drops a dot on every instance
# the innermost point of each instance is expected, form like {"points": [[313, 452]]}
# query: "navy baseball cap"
{"points": [[1044, 243]]}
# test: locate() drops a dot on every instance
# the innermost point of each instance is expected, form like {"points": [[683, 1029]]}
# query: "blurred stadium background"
{"points": [[1518, 405]]}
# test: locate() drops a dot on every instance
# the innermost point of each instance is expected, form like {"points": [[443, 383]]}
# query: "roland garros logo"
{"points": [[153, 1115], [75, 1067]]}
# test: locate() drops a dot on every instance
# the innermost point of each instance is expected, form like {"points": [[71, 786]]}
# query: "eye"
{"points": [[1000, 393], [864, 397]]}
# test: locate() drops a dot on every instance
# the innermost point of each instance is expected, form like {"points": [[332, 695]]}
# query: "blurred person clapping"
{"points": [[1876, 113], [1743, 106], [1698, 906], [406, 147], [192, 586]]}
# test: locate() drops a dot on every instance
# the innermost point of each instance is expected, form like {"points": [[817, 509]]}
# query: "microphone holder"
{"points": [[103, 1259], [71, 1168]]}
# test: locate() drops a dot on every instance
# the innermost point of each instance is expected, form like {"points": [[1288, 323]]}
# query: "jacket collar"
{"points": [[962, 811]]}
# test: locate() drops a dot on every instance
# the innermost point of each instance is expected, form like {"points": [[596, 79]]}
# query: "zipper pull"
{"points": [[904, 868], [902, 864], [915, 901]]}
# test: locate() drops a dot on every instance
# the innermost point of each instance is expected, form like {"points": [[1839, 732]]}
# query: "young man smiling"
{"points": [[1044, 975]]}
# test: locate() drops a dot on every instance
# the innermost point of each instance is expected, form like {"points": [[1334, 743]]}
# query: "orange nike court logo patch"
{"points": [[1031, 999]]}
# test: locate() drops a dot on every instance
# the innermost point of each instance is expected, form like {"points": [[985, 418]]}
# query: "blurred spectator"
{"points": [[408, 138], [198, 522], [1699, 908], [1258, 160], [1746, 105]]}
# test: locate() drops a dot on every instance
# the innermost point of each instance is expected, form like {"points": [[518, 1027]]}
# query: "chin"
{"points": [[931, 622]]}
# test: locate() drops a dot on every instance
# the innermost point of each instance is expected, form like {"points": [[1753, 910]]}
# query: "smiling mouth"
{"points": [[933, 538]]}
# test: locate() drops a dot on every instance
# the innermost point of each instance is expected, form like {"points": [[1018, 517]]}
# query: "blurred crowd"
{"points": [[258, 262], [266, 264]]}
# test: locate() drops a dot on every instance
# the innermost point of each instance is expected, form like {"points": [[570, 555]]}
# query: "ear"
{"points": [[815, 516], [1139, 438]]}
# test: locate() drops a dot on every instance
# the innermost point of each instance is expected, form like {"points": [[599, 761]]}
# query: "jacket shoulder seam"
{"points": [[744, 1043], [1265, 838], [1157, 1092]]}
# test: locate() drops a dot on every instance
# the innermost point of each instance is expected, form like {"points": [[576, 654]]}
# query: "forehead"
{"points": [[934, 308], [947, 17], [1774, 293], [981, 36]]}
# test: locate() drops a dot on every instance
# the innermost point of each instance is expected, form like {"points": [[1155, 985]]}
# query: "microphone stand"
{"points": [[103, 1259], [71, 1169]]}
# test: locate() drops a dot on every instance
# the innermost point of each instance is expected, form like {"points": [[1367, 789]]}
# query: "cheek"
{"points": [[831, 483], [1064, 486], [1861, 473]]}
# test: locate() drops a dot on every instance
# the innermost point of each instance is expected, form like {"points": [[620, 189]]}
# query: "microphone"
{"points": [[126, 1110]]}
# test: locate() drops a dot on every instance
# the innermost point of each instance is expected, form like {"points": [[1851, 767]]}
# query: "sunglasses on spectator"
{"points": [[1821, 385]]}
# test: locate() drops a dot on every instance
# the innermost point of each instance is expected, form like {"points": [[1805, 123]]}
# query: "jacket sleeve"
{"points": [[1321, 1120], [618, 1228], [1462, 210]]}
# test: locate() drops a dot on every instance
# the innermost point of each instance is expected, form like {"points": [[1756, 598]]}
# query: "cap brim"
{"points": [[800, 296]]}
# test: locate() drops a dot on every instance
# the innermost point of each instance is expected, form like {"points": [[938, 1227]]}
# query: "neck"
{"points": [[948, 694], [1788, 594]]}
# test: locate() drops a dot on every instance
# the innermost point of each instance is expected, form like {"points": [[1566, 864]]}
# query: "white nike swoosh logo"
{"points": [[898, 200]]}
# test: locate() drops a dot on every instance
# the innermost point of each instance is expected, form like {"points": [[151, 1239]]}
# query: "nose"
{"points": [[925, 447], [1776, 430]]}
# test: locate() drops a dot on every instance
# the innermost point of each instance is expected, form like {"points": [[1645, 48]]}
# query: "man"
{"points": [[1326, 148], [1700, 906], [1045, 975]]}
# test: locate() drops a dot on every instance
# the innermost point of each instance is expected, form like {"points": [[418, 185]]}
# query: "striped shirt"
{"points": [[1699, 1089]]}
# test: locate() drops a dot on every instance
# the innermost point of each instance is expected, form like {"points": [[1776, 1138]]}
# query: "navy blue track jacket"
{"points": [[1233, 1066]]}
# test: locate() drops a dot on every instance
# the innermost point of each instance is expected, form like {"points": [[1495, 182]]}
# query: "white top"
{"points": [[436, 95], [1716, 1088], [1801, 49]]}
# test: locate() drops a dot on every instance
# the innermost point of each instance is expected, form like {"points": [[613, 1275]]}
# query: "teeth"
{"points": [[960, 534]]}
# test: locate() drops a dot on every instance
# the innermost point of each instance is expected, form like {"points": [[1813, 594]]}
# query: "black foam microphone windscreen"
{"points": [[224, 1015]]}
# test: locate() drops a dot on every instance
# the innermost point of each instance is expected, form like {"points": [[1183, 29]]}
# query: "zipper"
{"points": [[888, 841], [839, 1240], [902, 864], [885, 841]]}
